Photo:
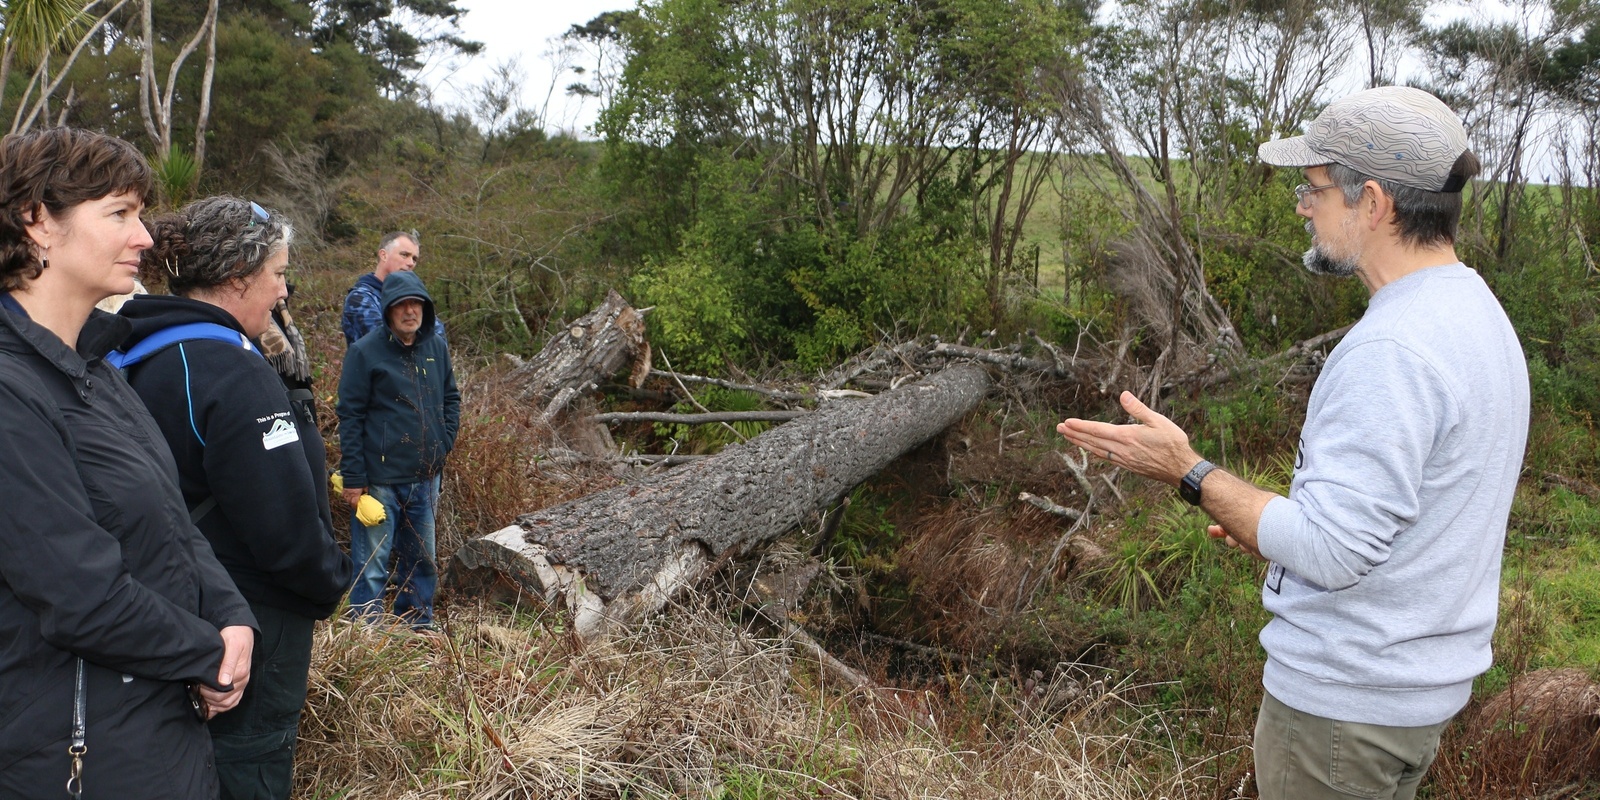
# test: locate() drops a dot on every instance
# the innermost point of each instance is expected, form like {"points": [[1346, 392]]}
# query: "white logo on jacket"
{"points": [[283, 432]]}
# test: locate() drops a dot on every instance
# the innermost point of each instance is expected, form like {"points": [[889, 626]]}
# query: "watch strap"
{"points": [[1189, 487]]}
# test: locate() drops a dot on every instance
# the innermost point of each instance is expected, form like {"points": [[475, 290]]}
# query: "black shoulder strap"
{"points": [[199, 512]]}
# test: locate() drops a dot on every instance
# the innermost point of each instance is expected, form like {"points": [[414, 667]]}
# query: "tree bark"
{"points": [[592, 349], [155, 107], [618, 555], [203, 118], [709, 418]]}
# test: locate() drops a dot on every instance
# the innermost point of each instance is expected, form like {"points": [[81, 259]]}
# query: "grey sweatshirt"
{"points": [[1385, 573]]}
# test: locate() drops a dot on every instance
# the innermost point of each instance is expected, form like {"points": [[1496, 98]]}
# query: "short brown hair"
{"points": [[56, 169]]}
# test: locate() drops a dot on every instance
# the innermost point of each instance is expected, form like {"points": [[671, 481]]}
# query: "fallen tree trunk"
{"points": [[618, 555], [709, 418], [593, 348]]}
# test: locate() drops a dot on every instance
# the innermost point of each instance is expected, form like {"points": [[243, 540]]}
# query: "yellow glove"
{"points": [[369, 511], [338, 482]]}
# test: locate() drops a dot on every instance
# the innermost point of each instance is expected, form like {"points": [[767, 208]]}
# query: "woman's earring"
{"points": [[172, 268], [44, 260]]}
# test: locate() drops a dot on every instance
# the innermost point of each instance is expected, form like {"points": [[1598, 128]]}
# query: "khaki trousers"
{"points": [[1302, 756]]}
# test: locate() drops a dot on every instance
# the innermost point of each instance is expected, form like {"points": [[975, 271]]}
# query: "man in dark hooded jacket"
{"points": [[399, 411]]}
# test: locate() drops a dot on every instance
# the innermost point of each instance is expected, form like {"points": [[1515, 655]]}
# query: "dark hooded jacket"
{"points": [[399, 409], [363, 310], [227, 417], [98, 559]]}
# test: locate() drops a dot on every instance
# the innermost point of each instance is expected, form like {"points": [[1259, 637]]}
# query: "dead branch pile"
{"points": [[595, 347]]}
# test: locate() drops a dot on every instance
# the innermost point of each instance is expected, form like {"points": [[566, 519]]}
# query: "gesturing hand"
{"points": [[238, 643], [1152, 446]]}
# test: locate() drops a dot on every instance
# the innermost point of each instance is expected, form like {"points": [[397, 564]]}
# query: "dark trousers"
{"points": [[255, 741]]}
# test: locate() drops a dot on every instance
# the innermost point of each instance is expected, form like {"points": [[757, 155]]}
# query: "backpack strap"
{"points": [[166, 337], [161, 340], [199, 512]]}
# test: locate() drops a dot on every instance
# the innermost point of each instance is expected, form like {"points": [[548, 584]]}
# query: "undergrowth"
{"points": [[1022, 655], [504, 704]]}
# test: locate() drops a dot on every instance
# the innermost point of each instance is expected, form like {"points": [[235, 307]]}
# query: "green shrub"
{"points": [[176, 175], [711, 438], [696, 320]]}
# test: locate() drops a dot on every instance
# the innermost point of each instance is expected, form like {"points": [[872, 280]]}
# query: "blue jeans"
{"points": [[408, 532]]}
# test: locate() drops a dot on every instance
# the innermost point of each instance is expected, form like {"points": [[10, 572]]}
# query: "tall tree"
{"points": [[863, 119], [397, 35], [32, 30], [155, 105], [1497, 75]]}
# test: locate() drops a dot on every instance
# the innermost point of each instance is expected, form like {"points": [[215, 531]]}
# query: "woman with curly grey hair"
{"points": [[119, 630], [252, 469]]}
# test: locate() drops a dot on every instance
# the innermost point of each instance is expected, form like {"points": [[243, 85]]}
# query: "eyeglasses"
{"points": [[258, 214], [1304, 191]]}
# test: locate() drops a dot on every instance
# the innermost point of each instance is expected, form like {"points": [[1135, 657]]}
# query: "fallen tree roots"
{"points": [[593, 348], [618, 555]]}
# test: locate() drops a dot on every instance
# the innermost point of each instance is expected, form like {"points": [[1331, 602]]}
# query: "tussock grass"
{"points": [[1538, 737], [506, 704]]}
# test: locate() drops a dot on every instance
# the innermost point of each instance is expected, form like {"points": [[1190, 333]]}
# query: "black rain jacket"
{"points": [[98, 559], [236, 437]]}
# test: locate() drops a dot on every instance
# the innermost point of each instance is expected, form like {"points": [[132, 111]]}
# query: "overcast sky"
{"points": [[521, 30]]}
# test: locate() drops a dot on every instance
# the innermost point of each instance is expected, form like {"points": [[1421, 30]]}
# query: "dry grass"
{"points": [[506, 705], [499, 469], [976, 567], [1540, 737]]}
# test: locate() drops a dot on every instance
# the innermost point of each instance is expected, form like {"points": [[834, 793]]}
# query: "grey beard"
{"points": [[1319, 263]]}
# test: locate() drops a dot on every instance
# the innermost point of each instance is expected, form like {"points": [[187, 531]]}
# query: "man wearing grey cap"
{"points": [[1384, 559]]}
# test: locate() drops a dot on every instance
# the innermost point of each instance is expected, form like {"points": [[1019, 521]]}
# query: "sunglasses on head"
{"points": [[258, 214]]}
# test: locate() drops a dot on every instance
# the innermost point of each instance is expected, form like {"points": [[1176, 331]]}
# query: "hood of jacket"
{"points": [[150, 313], [405, 284]]}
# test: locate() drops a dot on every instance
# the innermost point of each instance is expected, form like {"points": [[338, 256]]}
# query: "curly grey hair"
{"points": [[218, 241]]}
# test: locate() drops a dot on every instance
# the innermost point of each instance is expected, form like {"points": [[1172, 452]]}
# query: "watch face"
{"points": [[1189, 487], [1189, 491]]}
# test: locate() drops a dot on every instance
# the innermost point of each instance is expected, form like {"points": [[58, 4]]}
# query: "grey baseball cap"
{"points": [[1394, 133]]}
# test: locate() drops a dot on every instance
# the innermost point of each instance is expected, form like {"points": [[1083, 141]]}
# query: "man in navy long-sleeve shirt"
{"points": [[398, 251]]}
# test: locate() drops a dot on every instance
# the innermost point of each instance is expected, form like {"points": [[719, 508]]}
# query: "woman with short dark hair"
{"points": [[120, 629], [246, 455]]}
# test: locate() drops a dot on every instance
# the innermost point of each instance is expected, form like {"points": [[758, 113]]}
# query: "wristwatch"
{"points": [[1189, 487]]}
